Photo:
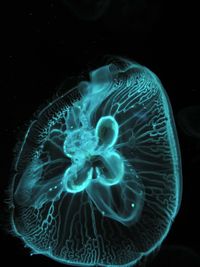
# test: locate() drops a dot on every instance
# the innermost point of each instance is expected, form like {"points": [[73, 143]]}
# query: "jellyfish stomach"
{"points": [[93, 156]]}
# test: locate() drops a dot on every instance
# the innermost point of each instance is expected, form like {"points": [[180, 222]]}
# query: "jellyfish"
{"points": [[98, 175]]}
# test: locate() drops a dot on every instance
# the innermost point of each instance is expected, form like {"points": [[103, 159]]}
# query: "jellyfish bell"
{"points": [[98, 176]]}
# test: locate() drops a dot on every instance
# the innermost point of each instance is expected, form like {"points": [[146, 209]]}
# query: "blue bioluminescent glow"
{"points": [[98, 174]]}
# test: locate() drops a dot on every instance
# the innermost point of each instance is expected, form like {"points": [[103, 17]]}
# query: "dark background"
{"points": [[46, 41]]}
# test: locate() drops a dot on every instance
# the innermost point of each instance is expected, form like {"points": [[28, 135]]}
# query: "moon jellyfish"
{"points": [[98, 175]]}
